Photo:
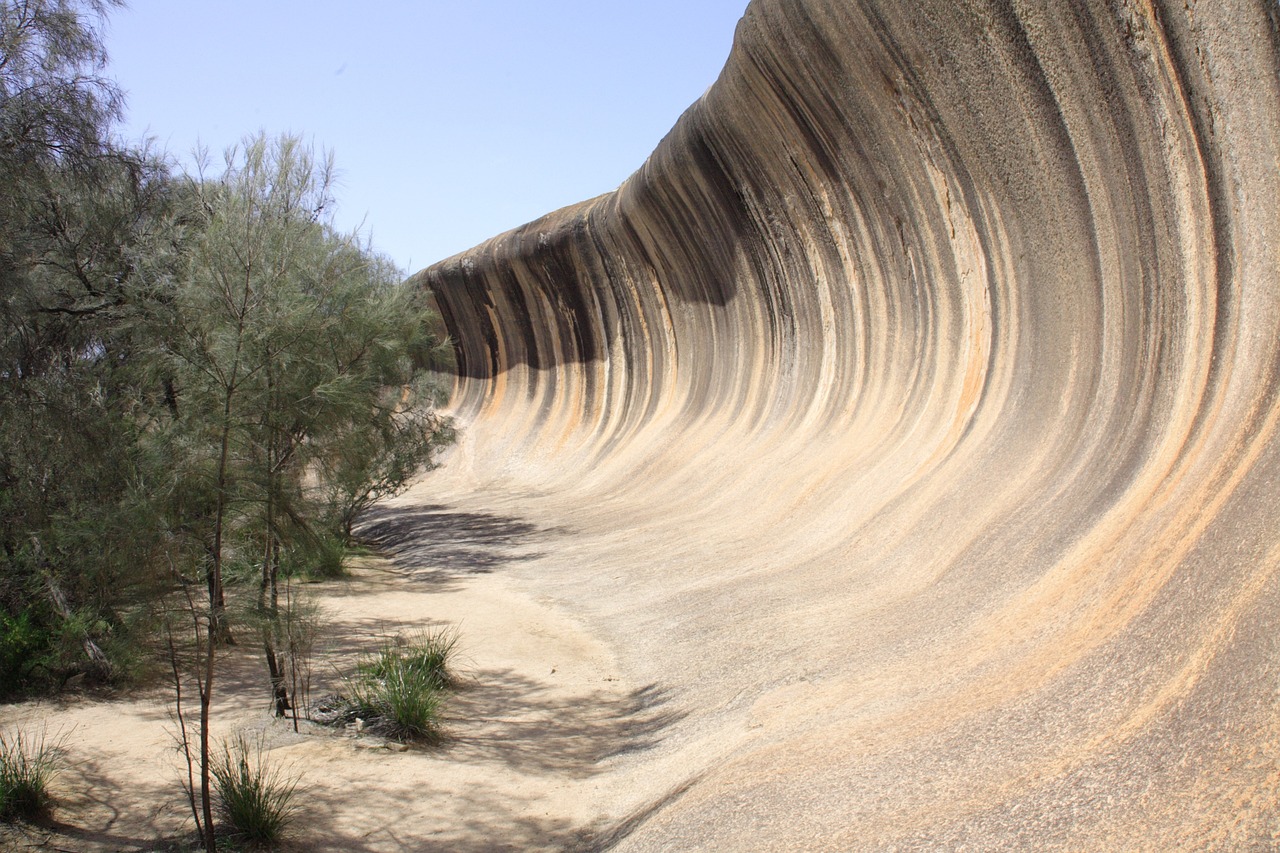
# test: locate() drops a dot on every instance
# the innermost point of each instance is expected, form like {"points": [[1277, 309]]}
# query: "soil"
{"points": [[540, 711]]}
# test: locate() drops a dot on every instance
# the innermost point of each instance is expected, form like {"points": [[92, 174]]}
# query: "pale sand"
{"points": [[530, 732]]}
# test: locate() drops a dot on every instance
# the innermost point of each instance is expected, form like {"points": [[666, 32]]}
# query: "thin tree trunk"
{"points": [[217, 603], [92, 650], [269, 591], [217, 606], [294, 655], [269, 605], [184, 737], [206, 700], [217, 594]]}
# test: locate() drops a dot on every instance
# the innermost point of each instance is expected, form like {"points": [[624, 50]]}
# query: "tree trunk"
{"points": [[269, 594], [206, 700], [97, 658]]}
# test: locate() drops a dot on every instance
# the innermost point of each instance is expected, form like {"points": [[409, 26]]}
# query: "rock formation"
{"points": [[912, 416]]}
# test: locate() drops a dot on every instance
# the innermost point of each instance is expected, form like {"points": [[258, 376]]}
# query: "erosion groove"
{"points": [[910, 417]]}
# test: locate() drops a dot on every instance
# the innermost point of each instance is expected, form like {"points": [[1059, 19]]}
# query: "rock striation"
{"points": [[914, 410]]}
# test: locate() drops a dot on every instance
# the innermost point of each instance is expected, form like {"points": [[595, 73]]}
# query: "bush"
{"points": [[426, 654], [254, 801], [24, 646], [41, 651], [329, 559], [27, 765], [399, 692], [404, 704]]}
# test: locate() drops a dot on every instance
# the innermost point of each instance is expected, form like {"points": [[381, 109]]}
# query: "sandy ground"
{"points": [[537, 725]]}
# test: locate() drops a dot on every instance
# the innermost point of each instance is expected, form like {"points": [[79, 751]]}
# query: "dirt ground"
{"points": [[536, 724]]}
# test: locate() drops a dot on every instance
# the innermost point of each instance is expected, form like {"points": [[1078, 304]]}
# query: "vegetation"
{"points": [[203, 382], [399, 691], [84, 226], [426, 653], [27, 765], [255, 800], [290, 351], [198, 374]]}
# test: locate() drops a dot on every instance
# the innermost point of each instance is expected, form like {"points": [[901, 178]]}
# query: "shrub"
{"points": [[328, 558], [426, 654], [399, 692], [404, 704], [27, 765], [23, 646], [254, 801], [42, 651]]}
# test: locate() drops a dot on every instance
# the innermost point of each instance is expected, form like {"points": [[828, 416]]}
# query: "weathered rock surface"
{"points": [[912, 416]]}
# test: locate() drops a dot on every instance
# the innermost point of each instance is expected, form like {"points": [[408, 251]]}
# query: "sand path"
{"points": [[537, 733]]}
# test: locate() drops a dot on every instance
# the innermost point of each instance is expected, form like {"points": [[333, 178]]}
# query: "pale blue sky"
{"points": [[450, 121]]}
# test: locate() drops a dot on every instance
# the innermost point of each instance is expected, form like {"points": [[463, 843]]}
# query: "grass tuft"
{"points": [[404, 704], [330, 558], [399, 691], [27, 766], [255, 801], [425, 654]]}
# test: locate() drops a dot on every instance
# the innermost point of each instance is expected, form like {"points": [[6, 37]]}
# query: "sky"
{"points": [[449, 121]]}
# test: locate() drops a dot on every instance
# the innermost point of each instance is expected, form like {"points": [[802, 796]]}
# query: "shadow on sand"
{"points": [[498, 719], [439, 546], [509, 722], [100, 797], [513, 720]]}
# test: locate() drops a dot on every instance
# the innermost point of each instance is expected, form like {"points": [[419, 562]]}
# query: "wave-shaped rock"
{"points": [[914, 409]]}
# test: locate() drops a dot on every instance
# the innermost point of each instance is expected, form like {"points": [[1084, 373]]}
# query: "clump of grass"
{"points": [[28, 764], [330, 558], [425, 655], [255, 801], [399, 691], [403, 704]]}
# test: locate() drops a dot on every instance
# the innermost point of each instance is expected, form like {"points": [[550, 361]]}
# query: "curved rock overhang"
{"points": [[930, 367]]}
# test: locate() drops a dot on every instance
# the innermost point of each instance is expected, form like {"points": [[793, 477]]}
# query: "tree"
{"points": [[202, 383], [295, 360], [83, 224]]}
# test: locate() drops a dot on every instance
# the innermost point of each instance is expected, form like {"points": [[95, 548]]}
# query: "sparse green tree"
{"points": [[202, 383], [293, 349], [84, 226]]}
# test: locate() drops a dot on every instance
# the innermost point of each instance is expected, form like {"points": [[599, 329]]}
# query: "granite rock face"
{"points": [[918, 397]]}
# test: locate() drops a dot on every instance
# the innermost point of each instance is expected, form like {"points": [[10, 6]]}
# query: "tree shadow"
{"points": [[529, 728], [242, 681], [473, 821], [349, 641], [98, 806], [441, 547], [507, 722]]}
